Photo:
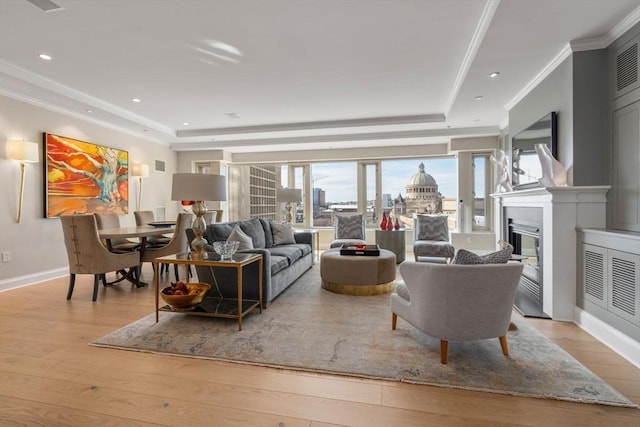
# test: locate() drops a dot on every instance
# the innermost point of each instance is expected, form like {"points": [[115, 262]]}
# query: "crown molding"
{"points": [[41, 82], [327, 124], [367, 136], [476, 41], [552, 65]]}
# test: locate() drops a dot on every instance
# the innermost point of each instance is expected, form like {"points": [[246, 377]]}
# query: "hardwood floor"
{"points": [[49, 376]]}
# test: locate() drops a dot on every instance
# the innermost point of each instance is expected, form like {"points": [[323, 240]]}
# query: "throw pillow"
{"points": [[282, 234], [240, 236], [464, 256]]}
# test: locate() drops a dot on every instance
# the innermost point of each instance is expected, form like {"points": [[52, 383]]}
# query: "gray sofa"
{"points": [[282, 264]]}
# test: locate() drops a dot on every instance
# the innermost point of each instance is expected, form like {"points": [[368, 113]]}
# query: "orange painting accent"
{"points": [[81, 177]]}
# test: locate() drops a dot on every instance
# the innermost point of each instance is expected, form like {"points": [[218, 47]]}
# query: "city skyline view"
{"points": [[339, 180]]}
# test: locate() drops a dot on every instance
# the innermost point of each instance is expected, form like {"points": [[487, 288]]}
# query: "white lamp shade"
{"points": [[25, 151], [286, 195], [199, 187], [140, 169]]}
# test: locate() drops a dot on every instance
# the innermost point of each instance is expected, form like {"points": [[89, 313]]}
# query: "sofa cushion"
{"points": [[278, 263], [291, 252], [282, 234], [219, 231], [464, 256], [245, 241], [253, 228], [268, 234]]}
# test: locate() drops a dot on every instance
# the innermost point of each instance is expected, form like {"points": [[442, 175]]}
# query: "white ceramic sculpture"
{"points": [[503, 170], [553, 173]]}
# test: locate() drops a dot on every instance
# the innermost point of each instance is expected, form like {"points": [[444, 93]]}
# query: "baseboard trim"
{"points": [[32, 279], [622, 344]]}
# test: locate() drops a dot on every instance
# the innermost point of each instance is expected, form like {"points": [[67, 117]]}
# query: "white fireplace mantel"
{"points": [[564, 209]]}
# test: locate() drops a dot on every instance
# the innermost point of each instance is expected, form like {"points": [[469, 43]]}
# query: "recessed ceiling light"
{"points": [[494, 74], [479, 98], [135, 99], [185, 124], [90, 111], [45, 57]]}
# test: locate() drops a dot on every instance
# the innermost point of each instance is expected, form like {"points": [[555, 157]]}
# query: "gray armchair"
{"points": [[457, 302], [431, 238], [87, 254], [349, 230]]}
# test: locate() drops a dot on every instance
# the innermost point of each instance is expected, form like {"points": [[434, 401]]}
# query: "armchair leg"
{"points": [[503, 344], [72, 282], [96, 282], [444, 348], [394, 321]]}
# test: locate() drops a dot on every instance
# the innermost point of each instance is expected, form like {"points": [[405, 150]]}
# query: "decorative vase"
{"points": [[553, 173], [389, 224], [383, 224], [396, 226]]}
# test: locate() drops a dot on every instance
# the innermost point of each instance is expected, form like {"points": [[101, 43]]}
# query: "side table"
{"points": [[392, 240]]}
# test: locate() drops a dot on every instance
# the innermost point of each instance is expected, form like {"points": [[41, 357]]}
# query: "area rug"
{"points": [[310, 329]]}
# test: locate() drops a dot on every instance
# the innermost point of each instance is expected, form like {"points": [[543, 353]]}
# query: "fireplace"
{"points": [[523, 229], [556, 212]]}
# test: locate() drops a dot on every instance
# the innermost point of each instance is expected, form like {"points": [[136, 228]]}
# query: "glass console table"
{"points": [[214, 303]]}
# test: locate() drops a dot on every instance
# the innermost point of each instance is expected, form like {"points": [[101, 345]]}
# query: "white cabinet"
{"points": [[609, 278]]}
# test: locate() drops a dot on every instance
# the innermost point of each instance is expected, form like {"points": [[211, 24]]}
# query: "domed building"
{"points": [[422, 193]]}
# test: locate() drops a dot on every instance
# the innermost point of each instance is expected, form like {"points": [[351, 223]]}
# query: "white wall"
{"points": [[36, 243]]}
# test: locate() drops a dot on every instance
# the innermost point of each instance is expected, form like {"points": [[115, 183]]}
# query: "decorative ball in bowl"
{"points": [[184, 296], [226, 249]]}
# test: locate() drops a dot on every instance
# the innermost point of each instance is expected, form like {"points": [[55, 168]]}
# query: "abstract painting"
{"points": [[81, 177]]}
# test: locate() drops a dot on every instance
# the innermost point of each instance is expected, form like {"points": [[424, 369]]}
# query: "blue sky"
{"points": [[338, 180]]}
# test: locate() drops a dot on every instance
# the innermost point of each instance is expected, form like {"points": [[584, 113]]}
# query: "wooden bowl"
{"points": [[197, 291]]}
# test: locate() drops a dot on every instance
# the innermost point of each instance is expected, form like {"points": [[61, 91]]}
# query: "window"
{"points": [[481, 184]]}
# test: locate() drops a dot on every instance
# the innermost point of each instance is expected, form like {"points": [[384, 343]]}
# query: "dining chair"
{"points": [[144, 218], [177, 244], [87, 255], [111, 220]]}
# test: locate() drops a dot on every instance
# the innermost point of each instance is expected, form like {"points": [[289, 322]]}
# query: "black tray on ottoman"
{"points": [[368, 250]]}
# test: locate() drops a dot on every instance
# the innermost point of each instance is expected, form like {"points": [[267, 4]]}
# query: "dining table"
{"points": [[141, 232]]}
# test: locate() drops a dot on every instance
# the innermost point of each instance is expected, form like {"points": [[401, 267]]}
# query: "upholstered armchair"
{"points": [[349, 230], [457, 302], [87, 254], [111, 220], [431, 238]]}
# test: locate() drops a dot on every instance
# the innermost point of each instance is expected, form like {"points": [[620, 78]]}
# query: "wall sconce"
{"points": [[289, 196], [141, 170], [24, 152]]}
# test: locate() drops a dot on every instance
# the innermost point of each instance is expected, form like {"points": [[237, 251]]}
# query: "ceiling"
{"points": [[251, 76]]}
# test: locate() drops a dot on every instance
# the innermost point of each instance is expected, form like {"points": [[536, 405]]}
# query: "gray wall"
{"points": [[554, 93], [590, 139], [577, 91]]}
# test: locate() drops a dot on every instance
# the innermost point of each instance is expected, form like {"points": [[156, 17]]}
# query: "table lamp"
{"points": [[199, 187], [289, 196], [24, 152]]}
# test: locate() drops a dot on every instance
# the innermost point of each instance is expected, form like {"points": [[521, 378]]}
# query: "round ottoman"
{"points": [[358, 274]]}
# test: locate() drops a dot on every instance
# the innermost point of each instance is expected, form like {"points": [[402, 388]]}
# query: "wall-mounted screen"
{"points": [[526, 169]]}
